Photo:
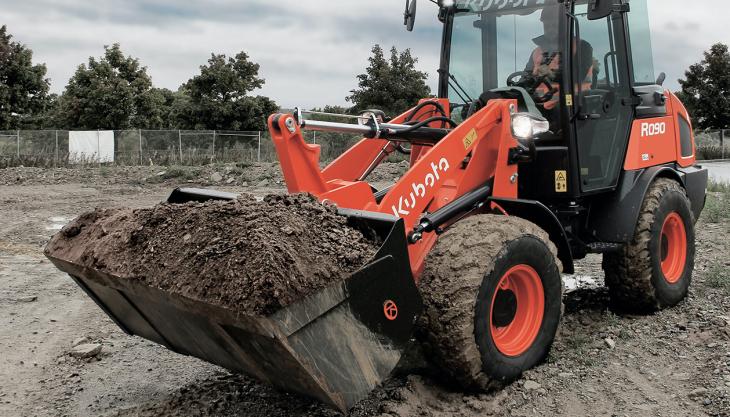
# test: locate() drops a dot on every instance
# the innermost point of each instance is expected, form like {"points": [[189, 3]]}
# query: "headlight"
{"points": [[526, 126]]}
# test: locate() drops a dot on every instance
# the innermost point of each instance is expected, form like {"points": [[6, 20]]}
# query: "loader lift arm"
{"points": [[443, 170]]}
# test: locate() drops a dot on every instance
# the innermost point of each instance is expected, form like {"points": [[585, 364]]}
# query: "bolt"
{"points": [[513, 178], [290, 125]]}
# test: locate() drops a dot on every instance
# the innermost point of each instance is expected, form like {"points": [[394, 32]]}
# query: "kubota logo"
{"points": [[489, 5], [390, 309], [419, 189]]}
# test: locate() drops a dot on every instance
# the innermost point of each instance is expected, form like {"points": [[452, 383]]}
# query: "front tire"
{"points": [[493, 300], [654, 270]]}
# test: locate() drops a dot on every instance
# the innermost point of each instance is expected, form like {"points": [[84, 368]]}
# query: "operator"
{"points": [[545, 61]]}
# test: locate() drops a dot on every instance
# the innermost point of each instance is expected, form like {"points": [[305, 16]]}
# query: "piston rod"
{"points": [[391, 131]]}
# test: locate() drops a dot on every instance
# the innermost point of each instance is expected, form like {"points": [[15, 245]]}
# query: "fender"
{"points": [[614, 218], [538, 213], [695, 179]]}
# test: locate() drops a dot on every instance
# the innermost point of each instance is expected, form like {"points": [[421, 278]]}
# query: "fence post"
{"points": [[18, 143], [722, 143], [212, 157], [258, 152], [98, 146], [140, 147], [179, 141], [56, 161], [315, 137]]}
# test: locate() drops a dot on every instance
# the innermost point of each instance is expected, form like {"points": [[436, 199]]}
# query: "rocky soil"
{"points": [[250, 175], [245, 255], [62, 357]]}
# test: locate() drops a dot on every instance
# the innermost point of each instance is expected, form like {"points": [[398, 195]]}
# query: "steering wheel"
{"points": [[531, 82]]}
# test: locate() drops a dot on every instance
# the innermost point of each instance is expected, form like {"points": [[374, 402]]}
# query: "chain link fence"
{"points": [[50, 148]]}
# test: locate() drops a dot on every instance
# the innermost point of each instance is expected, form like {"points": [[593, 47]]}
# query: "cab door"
{"points": [[603, 105]]}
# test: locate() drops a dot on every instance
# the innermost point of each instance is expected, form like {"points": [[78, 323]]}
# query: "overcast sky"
{"points": [[309, 50]]}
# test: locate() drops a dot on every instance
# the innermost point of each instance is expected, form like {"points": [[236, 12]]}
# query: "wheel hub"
{"points": [[673, 249], [517, 310], [505, 308]]}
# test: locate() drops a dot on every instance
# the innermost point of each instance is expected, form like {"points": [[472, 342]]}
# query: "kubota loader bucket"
{"points": [[335, 345]]}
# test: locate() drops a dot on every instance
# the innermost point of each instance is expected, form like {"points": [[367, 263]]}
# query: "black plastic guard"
{"points": [[538, 213], [200, 195], [614, 217]]}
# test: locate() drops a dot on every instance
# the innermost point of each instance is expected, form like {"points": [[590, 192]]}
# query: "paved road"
{"points": [[719, 171]]}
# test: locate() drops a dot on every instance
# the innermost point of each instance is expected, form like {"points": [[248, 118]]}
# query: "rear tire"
{"points": [[654, 270], [493, 300]]}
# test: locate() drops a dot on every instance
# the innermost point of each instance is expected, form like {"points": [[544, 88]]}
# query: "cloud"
{"points": [[682, 31], [309, 51]]}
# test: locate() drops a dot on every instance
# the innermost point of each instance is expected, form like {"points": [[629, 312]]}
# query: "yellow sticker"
{"points": [[470, 138], [561, 181], [568, 100]]}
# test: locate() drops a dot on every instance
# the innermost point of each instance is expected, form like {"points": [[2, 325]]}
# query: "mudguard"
{"points": [[538, 213], [614, 218]]}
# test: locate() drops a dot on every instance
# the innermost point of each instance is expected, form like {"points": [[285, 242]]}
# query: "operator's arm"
{"points": [[586, 59]]}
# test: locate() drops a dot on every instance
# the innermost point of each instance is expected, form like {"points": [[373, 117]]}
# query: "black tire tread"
{"points": [[450, 284], [629, 272]]}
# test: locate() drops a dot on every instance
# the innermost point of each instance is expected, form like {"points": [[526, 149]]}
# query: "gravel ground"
{"points": [[249, 175], [674, 363]]}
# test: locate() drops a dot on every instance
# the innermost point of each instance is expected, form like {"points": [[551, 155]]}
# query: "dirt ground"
{"points": [[675, 363]]}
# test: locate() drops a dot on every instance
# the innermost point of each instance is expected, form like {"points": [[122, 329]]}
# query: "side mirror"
{"points": [[599, 9], [660, 80], [409, 17]]}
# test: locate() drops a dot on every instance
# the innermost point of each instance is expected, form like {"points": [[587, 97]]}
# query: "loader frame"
{"points": [[340, 342], [478, 166]]}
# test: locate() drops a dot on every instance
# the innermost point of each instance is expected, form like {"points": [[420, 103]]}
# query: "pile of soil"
{"points": [[250, 256]]}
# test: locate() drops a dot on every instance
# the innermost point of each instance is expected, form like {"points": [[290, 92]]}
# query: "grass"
{"points": [[718, 186], [577, 341], [718, 277], [185, 173], [175, 172], [717, 208]]}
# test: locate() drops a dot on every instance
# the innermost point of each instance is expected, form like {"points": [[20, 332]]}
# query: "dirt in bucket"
{"points": [[250, 256]]}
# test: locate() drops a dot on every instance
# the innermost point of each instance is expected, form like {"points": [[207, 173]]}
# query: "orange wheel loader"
{"points": [[551, 138]]}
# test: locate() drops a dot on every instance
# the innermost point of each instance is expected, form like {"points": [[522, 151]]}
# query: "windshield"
{"points": [[492, 40]]}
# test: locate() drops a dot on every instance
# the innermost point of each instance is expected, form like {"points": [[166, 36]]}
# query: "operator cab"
{"points": [[574, 71]]}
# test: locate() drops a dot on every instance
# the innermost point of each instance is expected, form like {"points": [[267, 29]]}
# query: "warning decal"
{"points": [[470, 138], [561, 181]]}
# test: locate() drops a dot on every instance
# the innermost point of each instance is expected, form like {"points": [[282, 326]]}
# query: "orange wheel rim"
{"points": [[673, 248], [518, 307]]}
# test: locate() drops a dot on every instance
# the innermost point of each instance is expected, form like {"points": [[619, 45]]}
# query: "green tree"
{"points": [[165, 112], [218, 98], [112, 92], [23, 86], [706, 89], [329, 109], [392, 85]]}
